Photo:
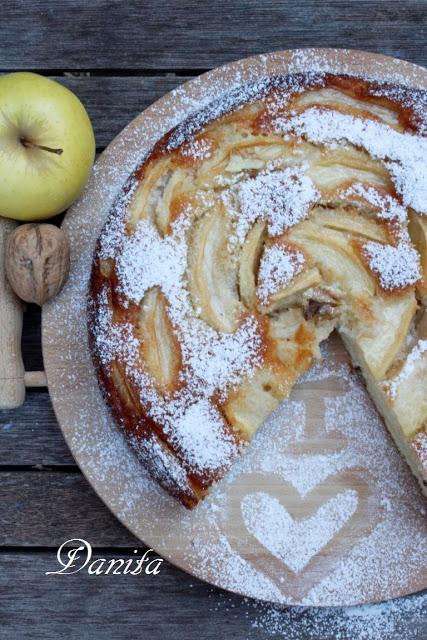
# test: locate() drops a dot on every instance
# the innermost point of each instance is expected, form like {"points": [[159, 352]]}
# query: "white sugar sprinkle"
{"points": [[203, 437], [388, 208], [296, 542], [199, 149], [282, 197], [212, 361], [396, 266], [414, 356], [279, 265], [385, 621], [405, 154]]}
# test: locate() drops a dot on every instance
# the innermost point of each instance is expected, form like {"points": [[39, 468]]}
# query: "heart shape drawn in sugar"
{"points": [[298, 540]]}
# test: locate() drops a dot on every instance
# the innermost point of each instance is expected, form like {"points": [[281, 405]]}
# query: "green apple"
{"points": [[47, 146]]}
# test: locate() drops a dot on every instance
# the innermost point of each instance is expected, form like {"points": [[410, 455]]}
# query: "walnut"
{"points": [[37, 261]]}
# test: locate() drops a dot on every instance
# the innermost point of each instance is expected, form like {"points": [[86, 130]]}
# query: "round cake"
{"points": [[287, 209]]}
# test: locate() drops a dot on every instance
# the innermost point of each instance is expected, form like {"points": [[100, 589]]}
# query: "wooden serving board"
{"points": [[320, 509]]}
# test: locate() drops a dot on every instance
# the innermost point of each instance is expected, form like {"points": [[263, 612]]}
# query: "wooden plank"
{"points": [[171, 604], [31, 435], [159, 34], [45, 508], [112, 102], [35, 379]]}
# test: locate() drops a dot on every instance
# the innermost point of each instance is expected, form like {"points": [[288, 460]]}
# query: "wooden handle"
{"points": [[34, 379], [12, 386]]}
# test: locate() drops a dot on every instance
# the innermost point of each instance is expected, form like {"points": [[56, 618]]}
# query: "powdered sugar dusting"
{"points": [[389, 549], [396, 266], [414, 356], [113, 340], [214, 359], [403, 618], [296, 542], [199, 431], [282, 197], [211, 360], [404, 154], [198, 149], [160, 462], [388, 208], [279, 265], [146, 260], [420, 445]]}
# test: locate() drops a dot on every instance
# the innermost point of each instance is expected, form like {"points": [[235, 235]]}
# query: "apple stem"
{"points": [[27, 143]]}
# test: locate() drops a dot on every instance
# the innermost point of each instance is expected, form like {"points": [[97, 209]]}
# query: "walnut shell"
{"points": [[37, 261]]}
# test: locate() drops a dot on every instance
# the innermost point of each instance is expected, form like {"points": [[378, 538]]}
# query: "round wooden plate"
{"points": [[320, 510]]}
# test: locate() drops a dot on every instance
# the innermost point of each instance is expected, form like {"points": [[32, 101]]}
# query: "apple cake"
{"points": [[285, 210]]}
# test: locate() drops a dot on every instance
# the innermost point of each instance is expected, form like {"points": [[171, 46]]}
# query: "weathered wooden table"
{"points": [[119, 57]]}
